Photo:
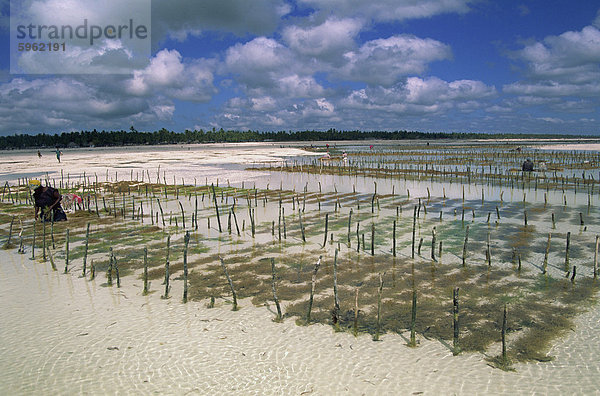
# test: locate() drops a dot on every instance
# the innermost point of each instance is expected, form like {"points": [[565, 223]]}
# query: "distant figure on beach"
{"points": [[58, 153], [528, 166], [48, 200], [39, 154]]}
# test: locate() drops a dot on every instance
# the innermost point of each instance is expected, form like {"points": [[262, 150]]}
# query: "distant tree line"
{"points": [[164, 136]]}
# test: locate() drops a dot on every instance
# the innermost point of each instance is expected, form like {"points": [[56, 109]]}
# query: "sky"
{"points": [[423, 65]]}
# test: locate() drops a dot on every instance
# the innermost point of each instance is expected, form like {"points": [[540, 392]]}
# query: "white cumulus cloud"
{"points": [[327, 41], [169, 75], [386, 61]]}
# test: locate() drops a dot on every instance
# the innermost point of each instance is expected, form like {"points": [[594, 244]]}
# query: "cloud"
{"points": [[105, 53], [180, 18], [558, 72], [385, 61], [243, 113], [327, 41], [596, 21], [167, 74], [176, 19], [268, 68], [108, 57], [256, 61], [571, 57], [59, 104], [299, 87], [374, 107], [552, 89], [421, 96], [388, 10]]}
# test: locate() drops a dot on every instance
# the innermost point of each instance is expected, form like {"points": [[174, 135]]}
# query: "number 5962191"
{"points": [[42, 47]]}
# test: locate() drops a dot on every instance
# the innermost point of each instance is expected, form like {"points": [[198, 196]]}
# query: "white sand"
{"points": [[59, 333], [212, 161], [62, 334], [571, 147]]}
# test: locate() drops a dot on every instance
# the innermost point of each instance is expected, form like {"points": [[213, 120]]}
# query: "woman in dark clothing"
{"points": [[48, 199]]}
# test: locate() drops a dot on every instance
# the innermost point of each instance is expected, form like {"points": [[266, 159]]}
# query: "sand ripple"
{"points": [[61, 334]]}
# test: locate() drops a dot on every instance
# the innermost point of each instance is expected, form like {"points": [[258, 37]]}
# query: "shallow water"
{"points": [[65, 334], [61, 334]]}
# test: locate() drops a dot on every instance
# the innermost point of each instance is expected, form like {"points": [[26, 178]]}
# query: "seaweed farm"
{"points": [[452, 243]]}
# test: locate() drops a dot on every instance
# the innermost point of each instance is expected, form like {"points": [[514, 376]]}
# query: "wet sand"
{"points": [[63, 334], [571, 147], [211, 161]]}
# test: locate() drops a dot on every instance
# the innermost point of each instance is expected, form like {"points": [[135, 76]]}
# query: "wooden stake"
{"points": [[167, 265], [596, 257], [326, 225], [567, 251], [413, 320], [488, 253], [349, 222], [33, 242], [394, 239], [379, 294], [312, 289], [356, 312], [117, 271], [186, 240], [10, 230], [336, 301], [85, 251], [301, 226], [44, 241], [109, 271], [504, 358], [414, 231], [464, 255], [235, 306], [433, 236], [67, 252], [455, 345], [216, 206], [51, 258], [279, 317], [372, 239], [546, 253], [145, 271]]}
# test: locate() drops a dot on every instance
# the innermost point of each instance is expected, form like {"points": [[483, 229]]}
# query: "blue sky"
{"points": [[427, 65]]}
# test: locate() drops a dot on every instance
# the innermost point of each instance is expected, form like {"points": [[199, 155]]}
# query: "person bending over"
{"points": [[48, 200]]}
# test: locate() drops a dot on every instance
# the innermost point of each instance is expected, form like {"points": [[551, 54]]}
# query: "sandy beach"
{"points": [[64, 334], [571, 147]]}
